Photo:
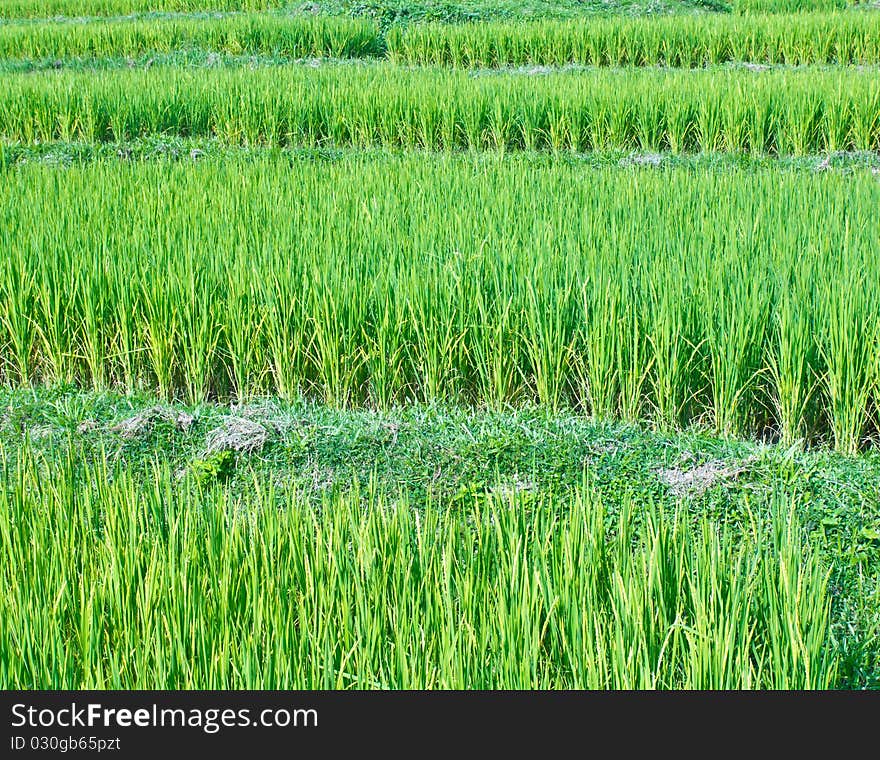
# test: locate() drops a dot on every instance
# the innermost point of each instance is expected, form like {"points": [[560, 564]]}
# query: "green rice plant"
{"points": [[19, 333], [865, 121], [709, 121], [634, 360], [490, 339], [92, 293], [788, 602], [791, 357], [800, 127], [160, 330], [336, 351], [680, 121], [791, 36], [126, 346], [847, 343], [736, 298], [385, 342], [734, 333], [200, 333], [438, 332], [603, 305], [790, 6], [242, 330], [56, 344], [161, 583], [549, 340], [240, 34], [17, 9], [782, 111], [671, 341], [835, 129], [285, 331]]}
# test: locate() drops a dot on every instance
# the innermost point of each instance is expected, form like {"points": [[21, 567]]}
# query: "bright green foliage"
{"points": [[740, 300], [295, 36], [685, 40], [792, 6], [681, 40], [12, 9], [786, 112], [153, 585], [387, 12], [504, 533], [217, 466]]}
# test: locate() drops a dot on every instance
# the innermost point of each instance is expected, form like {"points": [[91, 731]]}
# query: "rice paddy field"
{"points": [[419, 345]]}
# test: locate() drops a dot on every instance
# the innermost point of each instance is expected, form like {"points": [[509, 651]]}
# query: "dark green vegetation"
{"points": [[498, 514], [172, 148], [404, 12]]}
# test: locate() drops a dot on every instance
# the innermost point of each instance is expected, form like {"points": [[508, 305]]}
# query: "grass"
{"points": [[387, 12], [368, 591], [171, 148], [403, 12], [571, 517], [292, 36], [784, 112], [679, 40], [518, 359], [17, 9], [516, 296], [791, 6], [509, 595]]}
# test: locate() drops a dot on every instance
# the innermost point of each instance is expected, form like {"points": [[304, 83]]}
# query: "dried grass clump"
{"points": [[700, 479], [144, 421], [238, 434]]}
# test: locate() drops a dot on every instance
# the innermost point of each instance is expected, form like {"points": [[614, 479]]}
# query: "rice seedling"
{"points": [[679, 40], [367, 591], [673, 296], [13, 9], [737, 307], [632, 109], [848, 345], [240, 34], [791, 6]]}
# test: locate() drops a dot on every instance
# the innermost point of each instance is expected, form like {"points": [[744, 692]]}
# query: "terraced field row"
{"points": [[780, 112], [737, 300], [680, 40], [404, 10]]}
